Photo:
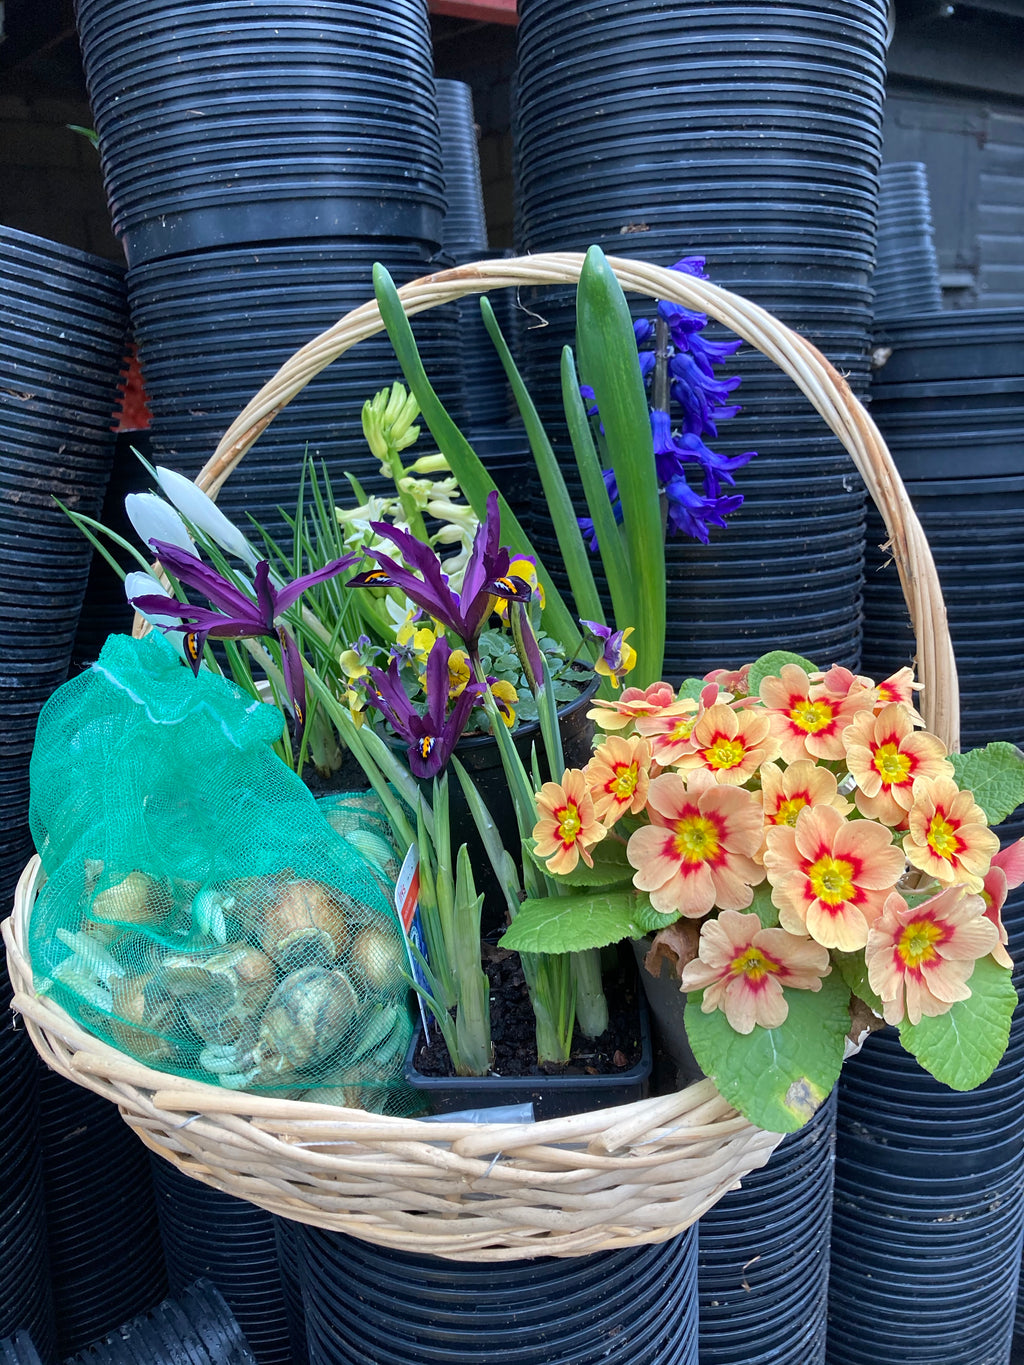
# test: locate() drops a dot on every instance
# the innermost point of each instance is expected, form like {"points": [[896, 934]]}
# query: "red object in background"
{"points": [[487, 11], [132, 413]]}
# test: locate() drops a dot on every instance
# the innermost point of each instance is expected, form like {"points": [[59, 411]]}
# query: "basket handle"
{"points": [[827, 391]]}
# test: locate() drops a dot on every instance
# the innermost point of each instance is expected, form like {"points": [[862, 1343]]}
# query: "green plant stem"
{"points": [[591, 1002], [473, 1015]]}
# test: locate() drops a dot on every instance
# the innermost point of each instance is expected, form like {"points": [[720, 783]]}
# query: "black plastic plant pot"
{"points": [[635, 1306], [552, 1096]]}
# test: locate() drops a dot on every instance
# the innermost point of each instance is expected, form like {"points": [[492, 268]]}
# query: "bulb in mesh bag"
{"points": [[303, 924], [308, 1018], [219, 993]]}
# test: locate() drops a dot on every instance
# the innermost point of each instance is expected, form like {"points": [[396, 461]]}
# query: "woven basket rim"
{"points": [[227, 1138]]}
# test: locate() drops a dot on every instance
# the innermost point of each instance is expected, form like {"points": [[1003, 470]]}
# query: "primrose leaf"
{"points": [[690, 689], [569, 924], [962, 1047], [777, 1077], [995, 776], [770, 666], [854, 971]]}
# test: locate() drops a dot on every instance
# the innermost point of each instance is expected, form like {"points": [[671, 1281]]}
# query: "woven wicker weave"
{"points": [[565, 1187]]}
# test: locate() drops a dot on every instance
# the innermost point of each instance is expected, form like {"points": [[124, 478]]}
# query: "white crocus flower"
{"points": [[204, 514], [144, 585], [153, 519]]}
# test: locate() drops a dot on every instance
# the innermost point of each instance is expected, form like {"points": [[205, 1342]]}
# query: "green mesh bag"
{"points": [[199, 912]]}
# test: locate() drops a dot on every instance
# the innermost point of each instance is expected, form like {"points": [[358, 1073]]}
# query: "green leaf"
{"points": [[650, 920], [776, 1077], [770, 666], [962, 1047], [854, 971], [472, 477], [762, 906], [606, 349], [556, 494], [995, 775], [691, 688], [567, 924], [610, 865]]}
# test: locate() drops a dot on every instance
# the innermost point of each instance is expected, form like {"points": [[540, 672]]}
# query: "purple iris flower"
{"points": [[464, 614], [431, 738], [234, 614]]}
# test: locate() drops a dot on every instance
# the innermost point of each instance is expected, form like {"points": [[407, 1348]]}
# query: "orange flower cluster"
{"points": [[825, 786]]}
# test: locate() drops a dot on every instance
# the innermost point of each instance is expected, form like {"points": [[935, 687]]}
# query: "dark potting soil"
{"points": [[513, 1033]]}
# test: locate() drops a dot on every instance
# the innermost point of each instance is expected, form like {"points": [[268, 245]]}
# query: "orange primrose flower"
{"points": [[900, 687], [830, 876], [786, 791], [732, 745], [948, 835], [635, 701], [618, 776], [735, 681], [670, 729], [697, 852], [566, 827], [807, 718], [742, 969], [885, 755], [1005, 874], [919, 960]]}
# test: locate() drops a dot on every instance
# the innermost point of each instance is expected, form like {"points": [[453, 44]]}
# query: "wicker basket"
{"points": [[565, 1187]]}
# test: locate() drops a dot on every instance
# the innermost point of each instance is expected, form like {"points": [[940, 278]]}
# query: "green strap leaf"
{"points": [[777, 1077], [568, 924], [473, 478], [606, 347], [995, 775], [962, 1047], [556, 495]]}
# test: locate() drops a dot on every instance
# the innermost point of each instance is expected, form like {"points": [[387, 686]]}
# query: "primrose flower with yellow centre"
{"points": [[634, 702], [732, 745], [742, 969], [807, 719], [698, 850], [830, 876], [567, 826], [505, 697], [885, 756], [618, 776], [919, 960], [786, 791], [948, 835]]}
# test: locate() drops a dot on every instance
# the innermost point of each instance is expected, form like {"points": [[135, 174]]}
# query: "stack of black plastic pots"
{"points": [[366, 1305], [65, 319], [464, 238], [929, 1211], [287, 1236], [231, 1243], [197, 1326], [259, 158], [906, 278], [19, 1350], [26, 1303], [106, 1259], [950, 403], [750, 134], [763, 1262]]}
